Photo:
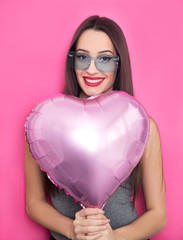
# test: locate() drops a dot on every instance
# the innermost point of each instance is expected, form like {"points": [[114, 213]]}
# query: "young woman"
{"points": [[98, 62]]}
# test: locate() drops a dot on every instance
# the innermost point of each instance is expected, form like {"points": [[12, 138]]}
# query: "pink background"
{"points": [[34, 38]]}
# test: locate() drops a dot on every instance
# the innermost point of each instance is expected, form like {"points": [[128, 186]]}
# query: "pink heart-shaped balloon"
{"points": [[88, 146]]}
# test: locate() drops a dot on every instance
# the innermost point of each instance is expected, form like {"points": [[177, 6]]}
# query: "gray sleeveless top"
{"points": [[118, 209]]}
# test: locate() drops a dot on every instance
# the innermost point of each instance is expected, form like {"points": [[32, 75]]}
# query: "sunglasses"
{"points": [[103, 63]]}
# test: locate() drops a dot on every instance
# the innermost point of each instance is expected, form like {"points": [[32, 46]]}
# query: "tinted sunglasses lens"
{"points": [[78, 61], [107, 64], [82, 61]]}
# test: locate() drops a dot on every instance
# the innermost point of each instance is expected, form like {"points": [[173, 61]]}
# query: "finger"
{"points": [[89, 229], [98, 216], [93, 229], [88, 211], [94, 233], [91, 222], [89, 237], [91, 234]]}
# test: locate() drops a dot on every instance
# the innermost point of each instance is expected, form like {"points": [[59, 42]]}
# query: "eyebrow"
{"points": [[103, 51]]}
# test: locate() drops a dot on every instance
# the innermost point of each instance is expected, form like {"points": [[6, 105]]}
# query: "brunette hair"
{"points": [[123, 80]]}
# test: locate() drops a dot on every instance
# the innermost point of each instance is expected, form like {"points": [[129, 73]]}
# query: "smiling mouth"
{"points": [[93, 81]]}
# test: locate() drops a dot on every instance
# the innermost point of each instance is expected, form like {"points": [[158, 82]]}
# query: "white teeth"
{"points": [[93, 81]]}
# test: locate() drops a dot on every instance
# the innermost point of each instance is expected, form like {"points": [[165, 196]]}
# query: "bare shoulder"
{"points": [[151, 162], [153, 127], [35, 177], [153, 142]]}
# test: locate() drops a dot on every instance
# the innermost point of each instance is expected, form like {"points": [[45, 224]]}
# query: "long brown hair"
{"points": [[123, 79]]}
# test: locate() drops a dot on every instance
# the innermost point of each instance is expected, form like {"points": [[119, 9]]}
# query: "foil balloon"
{"points": [[88, 146]]}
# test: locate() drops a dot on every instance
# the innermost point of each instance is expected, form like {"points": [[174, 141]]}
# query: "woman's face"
{"points": [[92, 81]]}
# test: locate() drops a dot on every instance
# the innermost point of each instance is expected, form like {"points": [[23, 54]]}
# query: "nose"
{"points": [[92, 68]]}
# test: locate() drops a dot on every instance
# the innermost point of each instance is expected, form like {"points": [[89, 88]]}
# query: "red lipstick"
{"points": [[93, 81]]}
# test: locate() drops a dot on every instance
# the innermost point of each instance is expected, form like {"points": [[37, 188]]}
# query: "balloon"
{"points": [[88, 146]]}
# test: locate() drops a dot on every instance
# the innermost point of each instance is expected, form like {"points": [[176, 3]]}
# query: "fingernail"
{"points": [[101, 211], [108, 220]]}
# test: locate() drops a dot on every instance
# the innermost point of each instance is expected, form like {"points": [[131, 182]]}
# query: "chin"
{"points": [[100, 92], [93, 93]]}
